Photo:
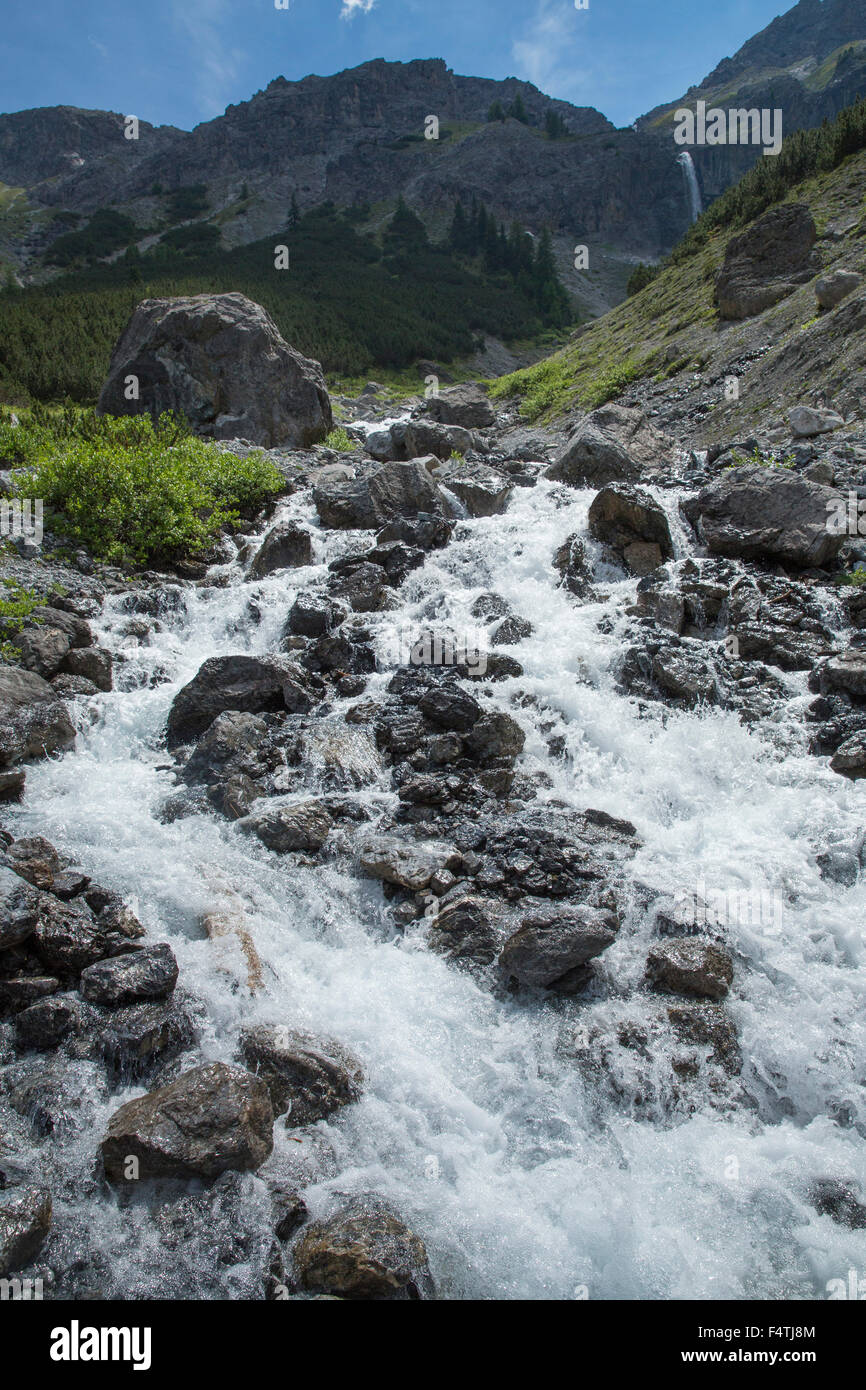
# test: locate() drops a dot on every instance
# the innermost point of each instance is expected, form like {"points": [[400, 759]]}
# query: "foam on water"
{"points": [[525, 1174]]}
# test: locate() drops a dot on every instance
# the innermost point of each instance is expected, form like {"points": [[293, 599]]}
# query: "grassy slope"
{"points": [[669, 332]]}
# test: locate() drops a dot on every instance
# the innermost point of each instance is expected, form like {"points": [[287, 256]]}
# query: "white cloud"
{"points": [[100, 47], [214, 65], [553, 39], [353, 7]]}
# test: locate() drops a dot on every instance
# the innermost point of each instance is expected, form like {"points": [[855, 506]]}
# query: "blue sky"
{"points": [[183, 61]]}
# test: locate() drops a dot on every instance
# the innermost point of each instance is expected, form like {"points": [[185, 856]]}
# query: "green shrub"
{"points": [[131, 490], [339, 439], [16, 605]]}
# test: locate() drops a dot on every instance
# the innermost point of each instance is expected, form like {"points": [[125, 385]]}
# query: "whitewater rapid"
{"points": [[524, 1175]]}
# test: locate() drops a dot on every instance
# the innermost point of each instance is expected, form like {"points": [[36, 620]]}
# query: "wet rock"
{"points": [[755, 512], [49, 1022], [12, 782], [18, 992], [365, 588], [341, 653], [76, 629], [303, 825], [68, 938], [840, 1201], [767, 262], [231, 738], [33, 722], [19, 909], [249, 684], [465, 405], [624, 517], [314, 615], [850, 757], [213, 1118], [832, 288], [397, 559], [69, 686], [512, 630], [307, 1077], [495, 735], [847, 672], [34, 859], [150, 973], [690, 966], [424, 531], [25, 1220], [419, 438], [550, 945], [288, 1208], [482, 491], [286, 546], [707, 1025], [135, 1039], [364, 1252], [69, 884], [575, 570], [92, 663], [219, 360], [409, 866], [463, 930], [449, 707]]}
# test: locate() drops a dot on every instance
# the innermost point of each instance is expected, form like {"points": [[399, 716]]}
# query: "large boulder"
{"points": [[465, 405], [285, 546], [147, 974], [633, 524], [767, 262], [365, 1252], [212, 1118], [402, 490], [831, 289], [613, 444], [307, 1077], [219, 360], [300, 825], [688, 965], [251, 684], [33, 722], [757, 512]]}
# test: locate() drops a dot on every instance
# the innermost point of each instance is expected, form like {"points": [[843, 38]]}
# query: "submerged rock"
{"points": [[365, 1252], [306, 1076], [25, 1220]]}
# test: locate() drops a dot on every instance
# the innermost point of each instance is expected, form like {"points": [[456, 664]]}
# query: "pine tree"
{"points": [[518, 111], [496, 112]]}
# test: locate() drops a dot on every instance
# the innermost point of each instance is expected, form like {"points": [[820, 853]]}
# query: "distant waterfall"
{"points": [[688, 167]]}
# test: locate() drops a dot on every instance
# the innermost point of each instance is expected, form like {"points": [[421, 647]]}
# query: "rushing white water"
{"points": [[526, 1173], [694, 192]]}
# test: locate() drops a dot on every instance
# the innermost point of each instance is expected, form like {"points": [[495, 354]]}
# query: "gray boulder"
{"points": [[465, 405], [550, 945], [807, 421], [756, 512], [690, 966], [94, 664], [831, 289], [633, 524], [408, 865], [41, 649], [611, 445], [303, 825], [286, 546], [219, 360], [251, 684], [211, 1119], [147, 974], [33, 722], [767, 262], [306, 1076], [395, 490]]}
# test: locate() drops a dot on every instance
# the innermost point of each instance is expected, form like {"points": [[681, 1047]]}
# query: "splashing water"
{"points": [[527, 1174]]}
